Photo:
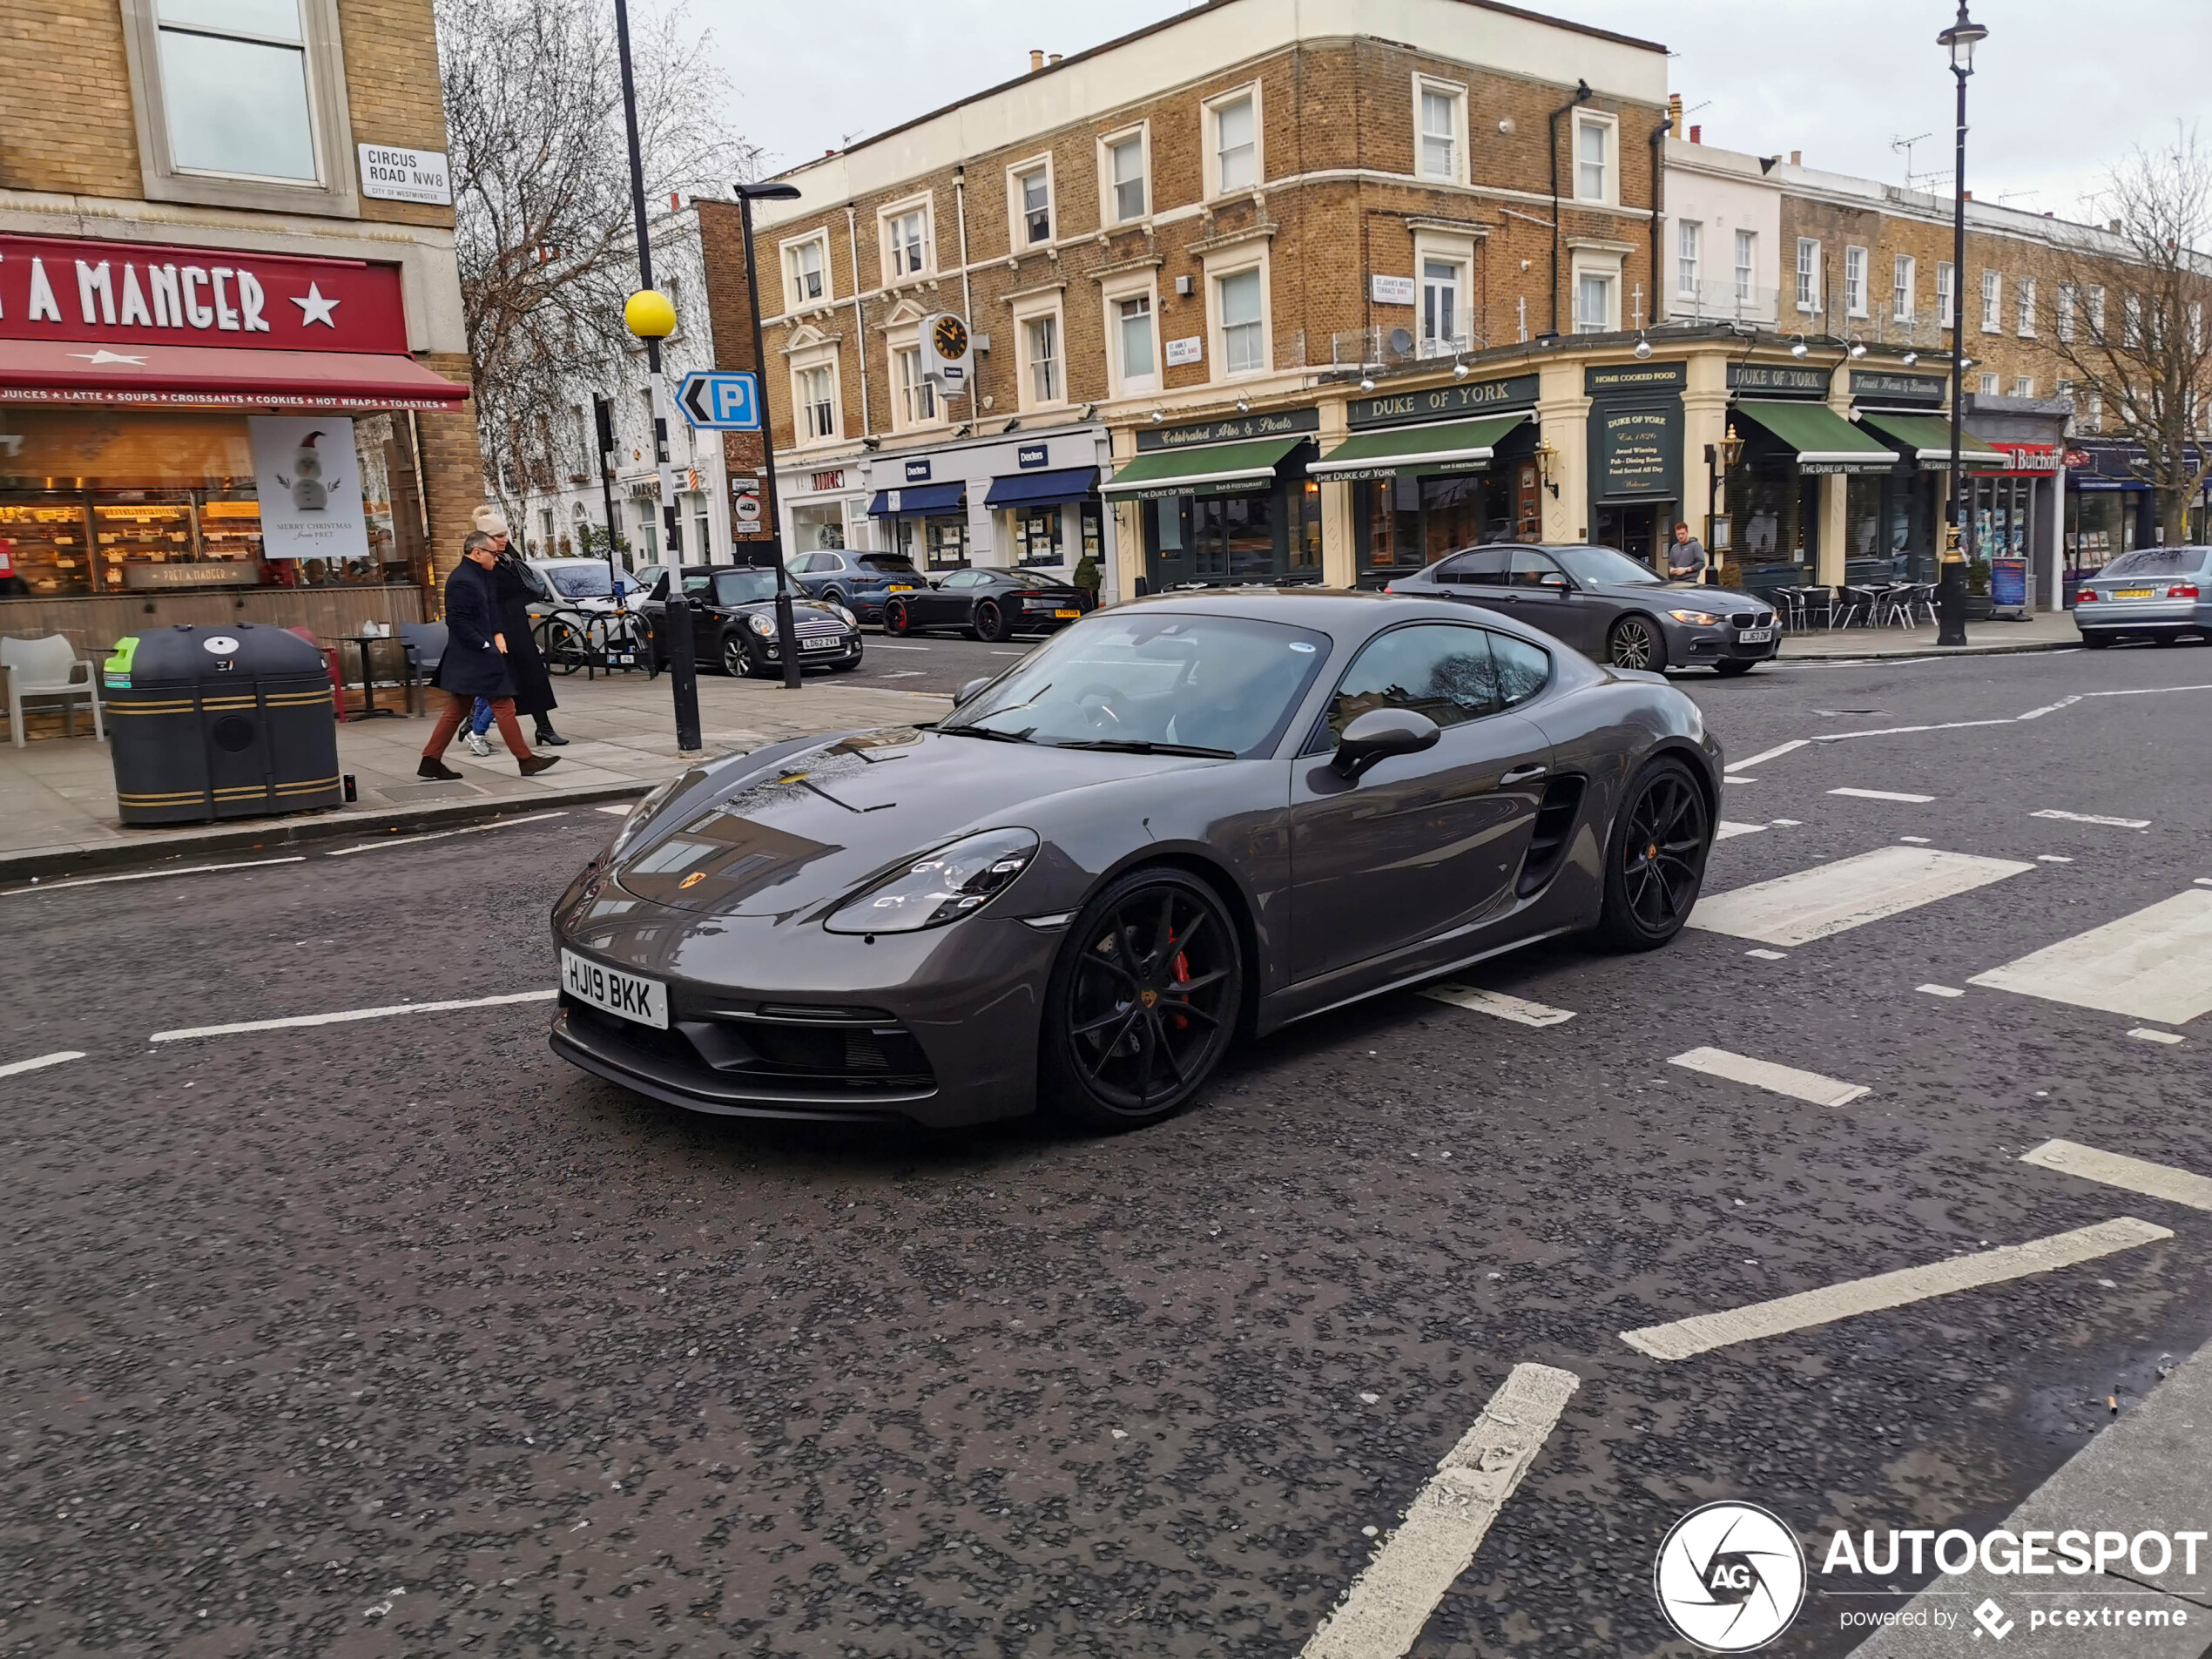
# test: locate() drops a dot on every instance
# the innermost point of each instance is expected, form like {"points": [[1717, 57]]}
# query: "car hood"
{"points": [[784, 838], [1681, 595]]}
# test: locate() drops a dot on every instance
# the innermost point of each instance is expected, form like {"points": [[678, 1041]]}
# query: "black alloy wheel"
{"points": [[1143, 1002], [990, 623], [896, 622], [737, 659], [1635, 642], [1656, 863]]}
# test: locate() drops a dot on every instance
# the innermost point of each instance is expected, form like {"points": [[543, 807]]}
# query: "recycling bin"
{"points": [[229, 722]]}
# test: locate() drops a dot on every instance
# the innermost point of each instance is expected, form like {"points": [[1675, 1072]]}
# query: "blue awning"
{"points": [[1042, 488], [919, 498]]}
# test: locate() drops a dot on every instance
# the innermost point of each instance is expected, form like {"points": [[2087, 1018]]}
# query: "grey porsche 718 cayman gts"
{"points": [[1180, 821]]}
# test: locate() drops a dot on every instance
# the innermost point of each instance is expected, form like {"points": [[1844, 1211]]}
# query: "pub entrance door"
{"points": [[1638, 529]]}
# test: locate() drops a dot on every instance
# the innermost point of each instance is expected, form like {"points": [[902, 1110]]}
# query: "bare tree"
{"points": [[2131, 326], [543, 227]]}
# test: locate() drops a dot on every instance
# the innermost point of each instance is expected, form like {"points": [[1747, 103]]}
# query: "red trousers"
{"points": [[456, 716]]}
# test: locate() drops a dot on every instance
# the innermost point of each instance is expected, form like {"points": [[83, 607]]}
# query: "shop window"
{"points": [[947, 543], [1094, 532], [1904, 278], [1686, 234], [1235, 144], [1405, 524], [1244, 348], [1305, 543], [818, 526], [1036, 535], [1125, 177], [242, 103], [807, 272]]}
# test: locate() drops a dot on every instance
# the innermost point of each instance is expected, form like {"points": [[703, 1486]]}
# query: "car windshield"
{"points": [[1595, 564], [898, 563], [2156, 561], [579, 578], [740, 587], [1139, 680]]}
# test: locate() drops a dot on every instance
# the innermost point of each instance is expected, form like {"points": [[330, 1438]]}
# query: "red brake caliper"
{"points": [[1182, 977]]}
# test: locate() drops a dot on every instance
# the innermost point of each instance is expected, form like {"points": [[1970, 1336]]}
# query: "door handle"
{"points": [[1523, 774]]}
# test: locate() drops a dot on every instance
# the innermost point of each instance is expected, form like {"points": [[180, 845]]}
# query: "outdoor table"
{"points": [[370, 710]]}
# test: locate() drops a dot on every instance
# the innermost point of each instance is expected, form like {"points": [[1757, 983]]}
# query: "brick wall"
{"points": [[453, 468], [68, 127]]}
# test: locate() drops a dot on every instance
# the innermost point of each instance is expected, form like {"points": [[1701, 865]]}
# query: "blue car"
{"points": [[2157, 593], [859, 582]]}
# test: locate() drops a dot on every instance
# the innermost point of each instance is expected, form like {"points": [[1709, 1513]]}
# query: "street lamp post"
{"points": [[1959, 40], [652, 318], [786, 627]]}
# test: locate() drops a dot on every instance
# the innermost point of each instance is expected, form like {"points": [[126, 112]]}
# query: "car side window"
{"points": [[696, 585], [964, 579], [1484, 568], [1523, 669], [1442, 669], [1530, 567]]}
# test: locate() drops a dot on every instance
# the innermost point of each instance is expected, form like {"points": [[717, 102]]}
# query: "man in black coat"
{"points": [[475, 664]]}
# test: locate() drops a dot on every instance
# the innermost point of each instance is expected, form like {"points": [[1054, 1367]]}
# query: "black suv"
{"points": [[857, 581]]}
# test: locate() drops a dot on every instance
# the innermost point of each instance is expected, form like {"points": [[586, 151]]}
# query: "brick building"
{"points": [[227, 260], [1188, 261]]}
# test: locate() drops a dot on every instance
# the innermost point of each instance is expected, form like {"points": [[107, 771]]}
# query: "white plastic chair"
{"points": [[48, 669]]}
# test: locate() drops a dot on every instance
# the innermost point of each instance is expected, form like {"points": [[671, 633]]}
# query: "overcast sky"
{"points": [[2061, 87]]}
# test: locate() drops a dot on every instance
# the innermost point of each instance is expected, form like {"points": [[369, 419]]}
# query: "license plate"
{"points": [[903, 587], [827, 643], [632, 996], [2133, 593], [1067, 613], [1755, 636]]}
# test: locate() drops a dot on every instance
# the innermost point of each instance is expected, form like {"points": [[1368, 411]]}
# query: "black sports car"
{"points": [[1608, 606], [988, 604], [1189, 817], [733, 623]]}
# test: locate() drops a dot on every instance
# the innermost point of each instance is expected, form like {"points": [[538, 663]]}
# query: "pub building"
{"points": [[1635, 450], [202, 434], [1793, 441], [1031, 500], [1437, 469], [1228, 501]]}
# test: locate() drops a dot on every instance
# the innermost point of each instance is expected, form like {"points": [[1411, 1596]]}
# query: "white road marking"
{"points": [[2201, 881], [885, 644], [624, 807], [1899, 731], [2054, 858], [2149, 1035], [1382, 1614], [16, 1068], [1835, 898], [1009, 653], [1940, 990], [1769, 955], [2150, 691], [1765, 1074], [2092, 818], [297, 1020], [148, 875], [2048, 708], [1916, 840], [2117, 1169], [440, 835], [1883, 794], [1785, 823], [1728, 832], [1779, 750], [2155, 964], [1497, 1003], [902, 674], [1810, 1308], [1731, 778]]}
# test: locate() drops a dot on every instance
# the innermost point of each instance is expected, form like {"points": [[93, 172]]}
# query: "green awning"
{"points": [[1202, 469], [1823, 440], [1927, 438], [1453, 445]]}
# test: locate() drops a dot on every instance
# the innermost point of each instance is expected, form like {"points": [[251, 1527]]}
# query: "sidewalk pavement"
{"points": [[57, 813], [2045, 630]]}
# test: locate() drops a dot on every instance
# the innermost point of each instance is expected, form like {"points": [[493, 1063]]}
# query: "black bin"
{"points": [[229, 722]]}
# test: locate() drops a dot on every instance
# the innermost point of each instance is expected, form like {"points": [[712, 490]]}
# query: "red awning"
{"points": [[75, 371]]}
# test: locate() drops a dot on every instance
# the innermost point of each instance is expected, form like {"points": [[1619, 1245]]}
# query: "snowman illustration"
{"points": [[309, 493]]}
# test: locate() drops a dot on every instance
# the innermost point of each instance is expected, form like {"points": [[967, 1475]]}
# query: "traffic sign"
{"points": [[720, 399]]}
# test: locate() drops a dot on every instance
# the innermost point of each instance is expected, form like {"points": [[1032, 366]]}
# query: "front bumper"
{"points": [[1690, 645], [770, 651], [776, 1018]]}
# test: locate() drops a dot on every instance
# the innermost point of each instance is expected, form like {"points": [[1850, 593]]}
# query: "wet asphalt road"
{"points": [[940, 662], [400, 1337]]}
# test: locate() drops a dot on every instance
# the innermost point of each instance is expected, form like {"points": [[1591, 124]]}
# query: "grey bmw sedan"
{"points": [[2158, 593], [1179, 823], [1607, 605]]}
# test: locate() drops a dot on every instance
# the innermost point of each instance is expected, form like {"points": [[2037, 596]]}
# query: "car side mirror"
{"points": [[970, 689], [1554, 582], [1378, 734]]}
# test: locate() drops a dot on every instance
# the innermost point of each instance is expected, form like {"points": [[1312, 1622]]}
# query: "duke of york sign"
{"points": [[110, 294]]}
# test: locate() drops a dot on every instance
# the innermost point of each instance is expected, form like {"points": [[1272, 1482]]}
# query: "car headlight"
{"points": [[851, 621], [761, 624], [940, 887], [1700, 618]]}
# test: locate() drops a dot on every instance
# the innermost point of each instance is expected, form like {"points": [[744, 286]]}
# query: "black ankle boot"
{"points": [[547, 738]]}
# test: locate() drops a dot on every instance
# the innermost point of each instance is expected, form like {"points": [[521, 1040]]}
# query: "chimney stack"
{"points": [[1054, 58], [1674, 112], [1797, 157], [1036, 59], [1697, 135]]}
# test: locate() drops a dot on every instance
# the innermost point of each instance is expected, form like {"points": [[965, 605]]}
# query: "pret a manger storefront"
{"points": [[202, 434]]}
